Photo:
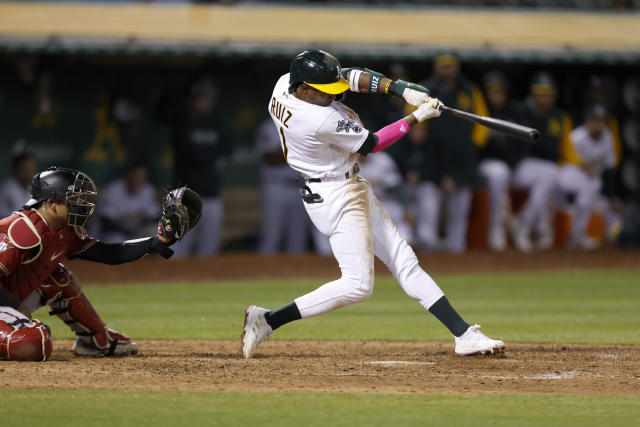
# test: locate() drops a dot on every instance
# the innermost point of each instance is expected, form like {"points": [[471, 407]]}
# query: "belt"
{"points": [[354, 171]]}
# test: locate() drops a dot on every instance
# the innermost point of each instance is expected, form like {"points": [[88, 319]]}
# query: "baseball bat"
{"points": [[517, 131]]}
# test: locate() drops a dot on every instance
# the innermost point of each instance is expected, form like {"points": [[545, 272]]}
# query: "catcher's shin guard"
{"points": [[62, 292], [23, 339]]}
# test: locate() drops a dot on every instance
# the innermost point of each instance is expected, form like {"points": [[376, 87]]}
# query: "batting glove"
{"points": [[412, 93], [428, 110]]}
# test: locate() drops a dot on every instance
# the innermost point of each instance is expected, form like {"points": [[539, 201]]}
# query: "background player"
{"points": [[284, 222], [452, 144], [499, 156], [594, 143], [322, 139], [538, 170], [32, 244]]}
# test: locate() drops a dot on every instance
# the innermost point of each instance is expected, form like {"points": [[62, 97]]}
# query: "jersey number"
{"points": [[285, 150]]}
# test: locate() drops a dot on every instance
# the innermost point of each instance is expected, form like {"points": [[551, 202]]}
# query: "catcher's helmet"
{"points": [[66, 185], [318, 69]]}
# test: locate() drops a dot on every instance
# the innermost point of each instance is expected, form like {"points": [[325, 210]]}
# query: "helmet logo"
{"points": [[70, 188]]}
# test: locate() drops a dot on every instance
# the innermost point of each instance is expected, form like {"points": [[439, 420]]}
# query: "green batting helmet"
{"points": [[318, 69]]}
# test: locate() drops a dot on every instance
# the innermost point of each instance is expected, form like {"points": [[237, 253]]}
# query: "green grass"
{"points": [[98, 408], [595, 307], [587, 307]]}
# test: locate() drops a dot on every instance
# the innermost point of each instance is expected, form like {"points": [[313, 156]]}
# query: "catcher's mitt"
{"points": [[181, 210]]}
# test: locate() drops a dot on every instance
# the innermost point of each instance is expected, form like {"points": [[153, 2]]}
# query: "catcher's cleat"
{"points": [[473, 341], [118, 345], [256, 329]]}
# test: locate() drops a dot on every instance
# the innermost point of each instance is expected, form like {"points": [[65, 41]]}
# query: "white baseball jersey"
{"points": [[319, 142], [597, 154]]}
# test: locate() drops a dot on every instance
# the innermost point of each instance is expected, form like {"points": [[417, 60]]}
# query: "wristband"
{"points": [[388, 85], [374, 82], [354, 80], [392, 88]]}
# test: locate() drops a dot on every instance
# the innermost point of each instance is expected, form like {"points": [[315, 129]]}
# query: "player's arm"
{"points": [[369, 81], [127, 251], [390, 134]]}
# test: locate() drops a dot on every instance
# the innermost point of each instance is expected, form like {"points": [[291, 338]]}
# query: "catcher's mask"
{"points": [[69, 185]]}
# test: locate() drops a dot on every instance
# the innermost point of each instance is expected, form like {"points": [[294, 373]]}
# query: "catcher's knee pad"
{"points": [[25, 340]]}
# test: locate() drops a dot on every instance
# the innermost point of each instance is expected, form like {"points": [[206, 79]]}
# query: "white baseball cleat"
{"points": [[473, 341], [497, 239], [520, 235], [256, 329]]}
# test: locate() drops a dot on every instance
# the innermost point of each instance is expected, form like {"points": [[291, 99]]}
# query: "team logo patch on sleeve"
{"points": [[347, 125]]}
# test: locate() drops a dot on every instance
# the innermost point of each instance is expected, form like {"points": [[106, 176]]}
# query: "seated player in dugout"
{"points": [[322, 140], [33, 241]]}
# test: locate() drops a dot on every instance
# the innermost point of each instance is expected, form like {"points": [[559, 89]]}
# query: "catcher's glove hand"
{"points": [[181, 210]]}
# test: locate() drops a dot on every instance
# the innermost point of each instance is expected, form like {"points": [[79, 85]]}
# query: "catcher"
{"points": [[51, 227]]}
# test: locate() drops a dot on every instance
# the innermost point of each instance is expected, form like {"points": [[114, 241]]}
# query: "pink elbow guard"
{"points": [[390, 134]]}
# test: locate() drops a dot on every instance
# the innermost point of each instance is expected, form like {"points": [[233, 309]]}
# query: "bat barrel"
{"points": [[513, 129]]}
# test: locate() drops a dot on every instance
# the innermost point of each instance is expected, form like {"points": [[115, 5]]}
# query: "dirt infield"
{"points": [[251, 266], [356, 367]]}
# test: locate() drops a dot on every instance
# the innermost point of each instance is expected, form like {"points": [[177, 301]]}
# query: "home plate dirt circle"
{"points": [[337, 366]]}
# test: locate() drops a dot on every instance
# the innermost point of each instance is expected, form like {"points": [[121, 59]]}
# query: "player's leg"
{"points": [[396, 212], [321, 242], [274, 218], [497, 175], [543, 223], [428, 202], [62, 292], [345, 216], [296, 221], [458, 206], [22, 338], [210, 226], [574, 180], [540, 178], [401, 260]]}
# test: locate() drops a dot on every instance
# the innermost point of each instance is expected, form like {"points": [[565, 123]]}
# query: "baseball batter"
{"points": [[322, 139], [33, 241]]}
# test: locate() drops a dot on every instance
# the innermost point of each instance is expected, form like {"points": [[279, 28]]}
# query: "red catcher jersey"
{"points": [[30, 250]]}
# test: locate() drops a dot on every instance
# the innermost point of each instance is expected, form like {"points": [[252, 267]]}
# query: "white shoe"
{"points": [[520, 235], [497, 239], [256, 329], [473, 341]]}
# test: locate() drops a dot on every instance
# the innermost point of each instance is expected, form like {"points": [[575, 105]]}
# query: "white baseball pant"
{"points": [[498, 177], [283, 219], [429, 199], [574, 180], [540, 177], [359, 228]]}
